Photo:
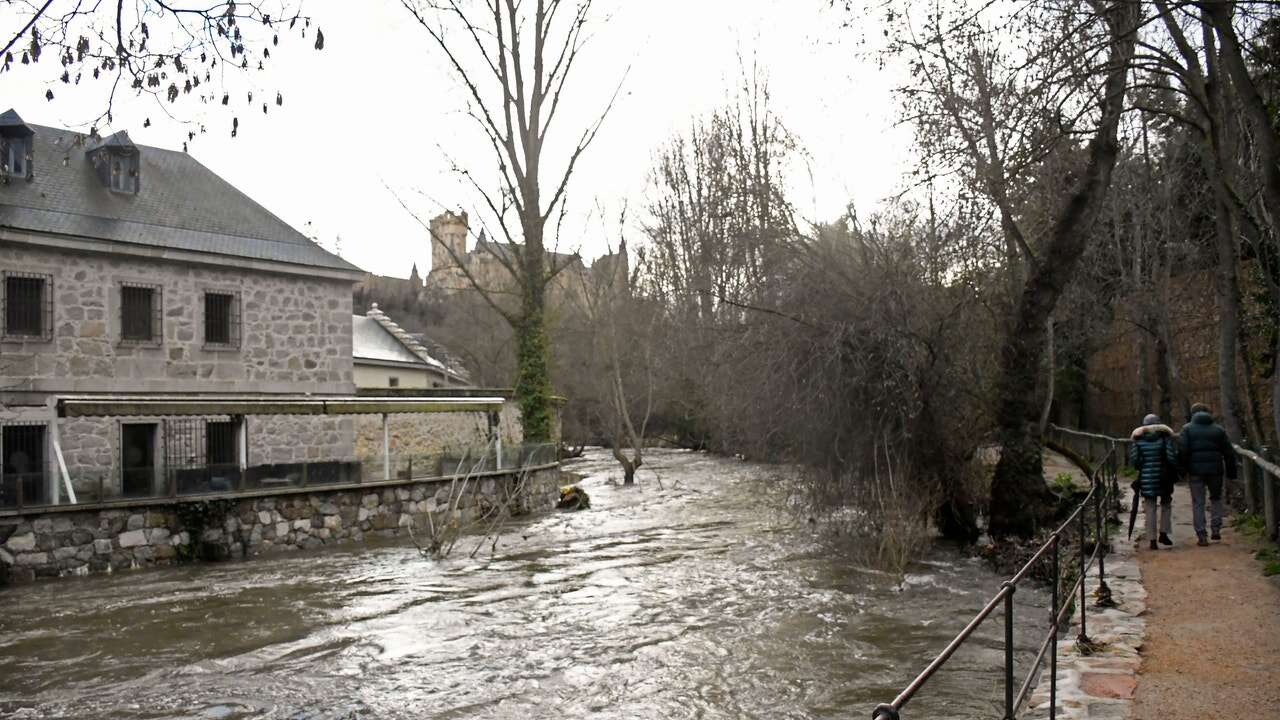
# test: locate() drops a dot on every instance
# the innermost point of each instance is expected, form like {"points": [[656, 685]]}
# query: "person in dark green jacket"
{"points": [[1154, 454], [1207, 455]]}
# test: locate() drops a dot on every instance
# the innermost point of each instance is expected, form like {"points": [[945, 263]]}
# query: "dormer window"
{"points": [[15, 147], [118, 163]]}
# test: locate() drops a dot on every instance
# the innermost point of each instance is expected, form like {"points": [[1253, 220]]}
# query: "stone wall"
{"points": [[300, 438], [421, 435], [77, 542], [295, 330]]}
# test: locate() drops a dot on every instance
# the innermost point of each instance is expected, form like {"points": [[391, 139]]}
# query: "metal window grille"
{"points": [[140, 313], [28, 305], [200, 454], [22, 465], [222, 319]]}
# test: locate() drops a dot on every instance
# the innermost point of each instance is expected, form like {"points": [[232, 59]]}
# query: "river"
{"points": [[697, 599]]}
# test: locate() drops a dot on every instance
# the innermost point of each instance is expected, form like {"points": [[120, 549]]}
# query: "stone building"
{"points": [[134, 271], [386, 356]]}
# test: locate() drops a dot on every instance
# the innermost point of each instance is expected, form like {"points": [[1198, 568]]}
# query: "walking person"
{"points": [[1154, 453], [1207, 456]]}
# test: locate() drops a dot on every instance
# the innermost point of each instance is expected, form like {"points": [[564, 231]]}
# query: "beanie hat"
{"points": [[1151, 419]]}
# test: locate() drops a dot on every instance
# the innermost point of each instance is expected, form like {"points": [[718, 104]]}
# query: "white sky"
{"points": [[379, 109]]}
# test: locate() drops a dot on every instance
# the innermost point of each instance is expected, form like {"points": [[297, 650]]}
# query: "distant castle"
{"points": [[487, 262], [419, 304]]}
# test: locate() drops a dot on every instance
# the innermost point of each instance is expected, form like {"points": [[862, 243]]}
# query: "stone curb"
{"points": [[1100, 685]]}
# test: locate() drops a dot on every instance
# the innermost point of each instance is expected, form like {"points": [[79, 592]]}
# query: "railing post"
{"points": [[1008, 651], [1268, 497], [1114, 474], [1100, 537], [1084, 573], [386, 448], [1053, 630], [1248, 471]]}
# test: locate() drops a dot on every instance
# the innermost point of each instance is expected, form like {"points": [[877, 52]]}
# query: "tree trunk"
{"points": [[1226, 284], [1264, 135], [1020, 499], [1226, 292], [1255, 430], [1144, 372], [1275, 390], [1164, 380], [533, 381], [1051, 370]]}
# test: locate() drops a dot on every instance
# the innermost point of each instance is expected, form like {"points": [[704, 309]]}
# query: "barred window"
{"points": [[22, 465], [393, 382], [221, 319], [140, 313], [28, 305], [220, 442]]}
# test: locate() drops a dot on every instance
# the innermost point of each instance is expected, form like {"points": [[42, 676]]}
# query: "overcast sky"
{"points": [[377, 115]]}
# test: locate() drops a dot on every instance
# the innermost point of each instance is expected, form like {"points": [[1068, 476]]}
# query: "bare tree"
{"points": [[620, 349], [152, 49], [1070, 80], [515, 62]]}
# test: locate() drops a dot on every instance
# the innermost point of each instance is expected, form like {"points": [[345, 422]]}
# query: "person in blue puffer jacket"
{"points": [[1154, 454]]}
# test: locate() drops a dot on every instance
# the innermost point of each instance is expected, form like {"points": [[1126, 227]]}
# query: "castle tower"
{"points": [[447, 229]]}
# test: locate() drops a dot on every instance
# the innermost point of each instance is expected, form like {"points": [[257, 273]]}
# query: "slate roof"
{"points": [[180, 204]]}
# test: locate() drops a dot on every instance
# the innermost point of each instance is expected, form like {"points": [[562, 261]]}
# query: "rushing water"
{"points": [[699, 599]]}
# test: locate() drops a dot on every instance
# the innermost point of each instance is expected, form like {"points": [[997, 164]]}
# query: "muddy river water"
{"points": [[698, 599]]}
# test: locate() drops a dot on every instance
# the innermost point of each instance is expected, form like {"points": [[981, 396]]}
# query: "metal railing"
{"points": [[1256, 481], [21, 493], [1102, 492]]}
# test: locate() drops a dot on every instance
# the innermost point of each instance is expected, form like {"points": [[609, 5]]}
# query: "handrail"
{"points": [[1256, 470], [1242, 451], [1102, 487]]}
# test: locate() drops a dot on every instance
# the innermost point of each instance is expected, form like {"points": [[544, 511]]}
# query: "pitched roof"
{"points": [[370, 341], [374, 334], [181, 204]]}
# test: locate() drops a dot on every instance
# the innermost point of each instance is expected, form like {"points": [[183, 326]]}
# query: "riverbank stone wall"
{"points": [[107, 539]]}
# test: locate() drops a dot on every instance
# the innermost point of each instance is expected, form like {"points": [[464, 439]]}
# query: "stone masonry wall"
{"points": [[300, 438], [54, 544], [295, 330], [424, 434]]}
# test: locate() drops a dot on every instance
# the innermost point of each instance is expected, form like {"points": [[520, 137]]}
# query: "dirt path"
{"points": [[1213, 628]]}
